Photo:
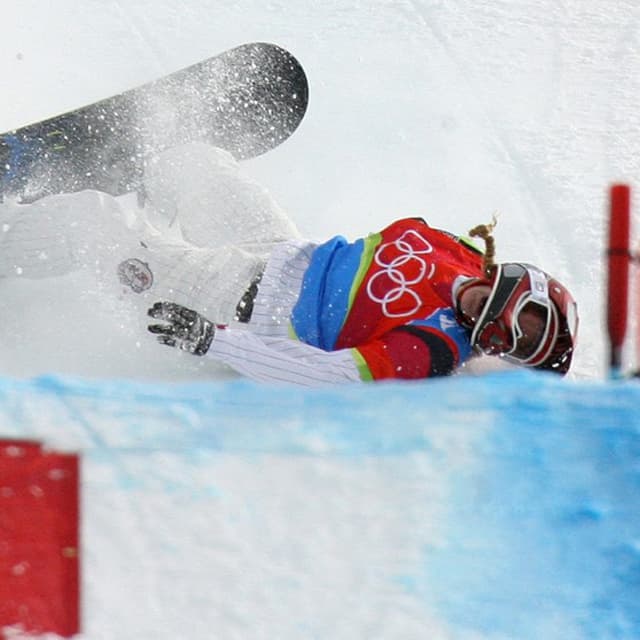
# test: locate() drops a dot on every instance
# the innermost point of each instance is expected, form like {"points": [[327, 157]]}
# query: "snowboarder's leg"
{"points": [[210, 281], [60, 234], [206, 192]]}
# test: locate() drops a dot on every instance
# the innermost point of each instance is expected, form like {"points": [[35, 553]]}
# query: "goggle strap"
{"points": [[539, 286], [503, 288]]}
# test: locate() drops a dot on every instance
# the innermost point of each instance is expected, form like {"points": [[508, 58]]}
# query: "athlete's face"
{"points": [[531, 323]]}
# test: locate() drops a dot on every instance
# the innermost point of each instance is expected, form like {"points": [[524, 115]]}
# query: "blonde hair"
{"points": [[485, 231]]}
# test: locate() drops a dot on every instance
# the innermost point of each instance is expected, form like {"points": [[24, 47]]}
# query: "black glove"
{"points": [[186, 329]]}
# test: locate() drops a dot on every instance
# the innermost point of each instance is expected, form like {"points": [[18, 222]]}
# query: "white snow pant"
{"points": [[212, 230]]}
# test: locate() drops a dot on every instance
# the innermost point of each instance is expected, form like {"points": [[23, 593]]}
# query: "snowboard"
{"points": [[246, 100]]}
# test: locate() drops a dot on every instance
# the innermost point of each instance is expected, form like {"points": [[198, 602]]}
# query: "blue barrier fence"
{"points": [[497, 506]]}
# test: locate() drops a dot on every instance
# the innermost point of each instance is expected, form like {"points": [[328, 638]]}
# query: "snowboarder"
{"points": [[408, 302], [224, 274]]}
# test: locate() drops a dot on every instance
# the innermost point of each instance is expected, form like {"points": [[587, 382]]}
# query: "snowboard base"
{"points": [[246, 100]]}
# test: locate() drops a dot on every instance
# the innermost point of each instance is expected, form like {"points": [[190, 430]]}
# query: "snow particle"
{"points": [[36, 491], [57, 474], [13, 451], [20, 569]]}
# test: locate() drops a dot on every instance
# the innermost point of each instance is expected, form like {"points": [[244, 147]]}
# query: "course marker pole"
{"points": [[618, 257]]}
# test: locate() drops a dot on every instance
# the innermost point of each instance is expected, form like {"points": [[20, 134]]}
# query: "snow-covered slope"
{"points": [[494, 507], [450, 110]]}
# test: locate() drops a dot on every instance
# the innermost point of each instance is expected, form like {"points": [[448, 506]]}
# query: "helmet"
{"points": [[529, 318]]}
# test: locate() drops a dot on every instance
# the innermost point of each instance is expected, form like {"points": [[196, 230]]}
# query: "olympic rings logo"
{"points": [[402, 267]]}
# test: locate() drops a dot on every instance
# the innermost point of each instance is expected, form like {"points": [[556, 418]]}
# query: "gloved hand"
{"points": [[186, 329]]}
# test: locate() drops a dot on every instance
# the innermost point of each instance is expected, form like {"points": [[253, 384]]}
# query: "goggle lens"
{"points": [[523, 339], [494, 339], [531, 325]]}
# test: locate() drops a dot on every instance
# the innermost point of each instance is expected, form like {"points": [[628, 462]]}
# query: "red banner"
{"points": [[39, 546]]}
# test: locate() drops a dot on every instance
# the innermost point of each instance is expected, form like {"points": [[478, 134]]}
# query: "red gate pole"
{"points": [[618, 257]]}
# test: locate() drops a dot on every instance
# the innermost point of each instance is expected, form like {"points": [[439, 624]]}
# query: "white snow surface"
{"points": [[448, 110], [476, 508]]}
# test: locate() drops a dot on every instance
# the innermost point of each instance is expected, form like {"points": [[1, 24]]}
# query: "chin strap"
{"points": [[485, 231]]}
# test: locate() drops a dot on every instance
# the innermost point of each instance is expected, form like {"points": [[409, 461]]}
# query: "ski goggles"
{"points": [[518, 321]]}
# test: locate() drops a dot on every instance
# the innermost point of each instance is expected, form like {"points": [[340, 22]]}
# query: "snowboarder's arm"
{"points": [[260, 358], [268, 359], [433, 346], [408, 352], [404, 353], [419, 350]]}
